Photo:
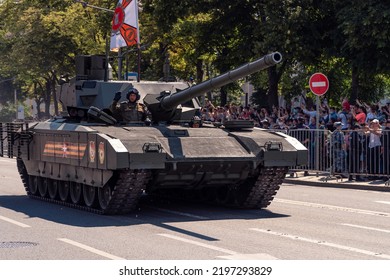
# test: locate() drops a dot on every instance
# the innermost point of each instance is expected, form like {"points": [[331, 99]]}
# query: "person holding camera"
{"points": [[130, 110], [358, 114]]}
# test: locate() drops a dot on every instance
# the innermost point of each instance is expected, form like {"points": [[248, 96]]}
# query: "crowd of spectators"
{"points": [[298, 115], [359, 132]]}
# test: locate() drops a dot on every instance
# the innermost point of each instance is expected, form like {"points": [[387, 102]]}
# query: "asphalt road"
{"points": [[302, 223]]}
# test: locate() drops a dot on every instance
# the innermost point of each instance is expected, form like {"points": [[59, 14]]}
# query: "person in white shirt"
{"points": [[374, 148], [312, 113]]}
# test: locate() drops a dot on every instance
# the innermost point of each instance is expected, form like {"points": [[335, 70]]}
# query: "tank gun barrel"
{"points": [[172, 101]]}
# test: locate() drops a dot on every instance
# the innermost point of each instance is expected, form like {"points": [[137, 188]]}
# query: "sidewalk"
{"points": [[325, 180]]}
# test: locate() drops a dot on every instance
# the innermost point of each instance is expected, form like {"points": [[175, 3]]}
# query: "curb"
{"points": [[338, 185]]}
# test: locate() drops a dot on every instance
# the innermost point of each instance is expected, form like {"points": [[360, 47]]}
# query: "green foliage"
{"points": [[346, 40], [365, 26], [41, 39], [7, 112]]}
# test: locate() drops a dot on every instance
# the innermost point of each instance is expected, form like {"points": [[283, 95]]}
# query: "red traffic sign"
{"points": [[319, 84]]}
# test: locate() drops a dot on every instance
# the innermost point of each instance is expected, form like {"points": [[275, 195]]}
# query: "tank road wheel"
{"points": [[33, 184], [89, 194], [52, 187], [63, 190], [105, 196], [76, 190], [42, 187]]}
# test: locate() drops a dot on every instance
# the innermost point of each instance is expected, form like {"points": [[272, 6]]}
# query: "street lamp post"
{"points": [[16, 102]]}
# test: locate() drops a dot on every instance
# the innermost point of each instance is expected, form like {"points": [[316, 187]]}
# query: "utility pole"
{"points": [[16, 102]]}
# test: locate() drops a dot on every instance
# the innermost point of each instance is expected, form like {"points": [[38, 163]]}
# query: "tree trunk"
{"points": [[209, 93], [199, 78], [354, 85], [54, 91], [47, 98], [38, 103], [161, 60], [199, 71], [223, 96], [273, 79]]}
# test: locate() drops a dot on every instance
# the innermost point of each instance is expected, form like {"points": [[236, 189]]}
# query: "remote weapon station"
{"points": [[92, 161]]}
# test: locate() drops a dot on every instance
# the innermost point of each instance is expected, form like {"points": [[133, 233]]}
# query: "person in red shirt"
{"points": [[358, 114], [345, 104]]}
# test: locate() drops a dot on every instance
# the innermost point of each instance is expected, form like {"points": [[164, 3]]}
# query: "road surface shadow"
{"points": [[155, 212]]}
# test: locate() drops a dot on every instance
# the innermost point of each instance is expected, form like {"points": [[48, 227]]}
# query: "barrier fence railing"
{"points": [[353, 154]]}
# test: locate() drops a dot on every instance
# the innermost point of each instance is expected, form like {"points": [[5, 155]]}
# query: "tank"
{"points": [[89, 160]]}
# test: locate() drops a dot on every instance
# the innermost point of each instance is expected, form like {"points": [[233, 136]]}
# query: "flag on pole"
{"points": [[125, 31]]}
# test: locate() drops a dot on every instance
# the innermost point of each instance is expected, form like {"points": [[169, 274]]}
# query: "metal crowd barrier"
{"points": [[353, 154], [8, 136]]}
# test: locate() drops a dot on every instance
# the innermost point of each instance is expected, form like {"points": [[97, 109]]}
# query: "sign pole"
{"points": [[317, 142], [319, 85], [120, 64]]}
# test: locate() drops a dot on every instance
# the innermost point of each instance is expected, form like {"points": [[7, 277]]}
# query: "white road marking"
{"points": [[333, 207], [212, 247], [369, 228], [179, 213], [384, 202], [232, 255], [8, 160], [249, 257], [323, 243], [90, 249], [14, 222]]}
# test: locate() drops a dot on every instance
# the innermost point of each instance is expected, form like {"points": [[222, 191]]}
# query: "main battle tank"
{"points": [[90, 161]]}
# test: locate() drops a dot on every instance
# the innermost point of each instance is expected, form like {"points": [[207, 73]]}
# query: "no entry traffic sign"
{"points": [[319, 84]]}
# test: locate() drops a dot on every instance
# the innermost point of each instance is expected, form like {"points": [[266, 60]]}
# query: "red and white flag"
{"points": [[125, 31]]}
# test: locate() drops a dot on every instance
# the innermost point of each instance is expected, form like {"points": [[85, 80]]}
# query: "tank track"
{"points": [[125, 193], [261, 193], [23, 175]]}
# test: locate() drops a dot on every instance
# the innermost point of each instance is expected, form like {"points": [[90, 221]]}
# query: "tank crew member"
{"points": [[130, 110]]}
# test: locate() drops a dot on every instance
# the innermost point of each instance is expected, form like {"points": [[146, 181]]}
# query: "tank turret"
{"points": [[166, 101], [162, 106]]}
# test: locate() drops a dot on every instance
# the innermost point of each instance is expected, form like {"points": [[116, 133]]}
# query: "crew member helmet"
{"points": [[133, 91]]}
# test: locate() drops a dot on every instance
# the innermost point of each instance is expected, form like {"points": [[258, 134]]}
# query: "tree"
{"points": [[45, 37], [364, 28], [40, 39]]}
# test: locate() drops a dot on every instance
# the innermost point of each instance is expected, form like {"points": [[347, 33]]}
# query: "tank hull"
{"points": [[100, 161]]}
